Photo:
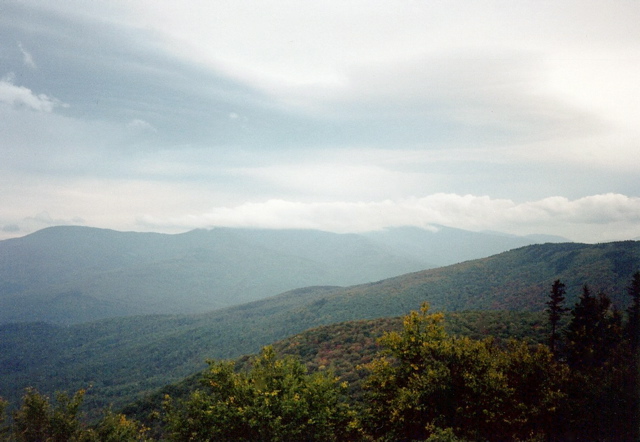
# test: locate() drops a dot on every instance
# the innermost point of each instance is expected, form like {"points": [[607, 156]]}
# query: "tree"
{"points": [[114, 427], [633, 318], [555, 311], [426, 381], [4, 429], [275, 400], [594, 331], [599, 401], [38, 420], [632, 330]]}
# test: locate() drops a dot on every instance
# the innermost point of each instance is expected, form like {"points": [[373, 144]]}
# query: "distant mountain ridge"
{"points": [[73, 274]]}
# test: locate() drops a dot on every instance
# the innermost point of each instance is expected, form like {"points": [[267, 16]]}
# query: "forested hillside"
{"points": [[125, 357], [344, 346], [79, 274], [417, 381]]}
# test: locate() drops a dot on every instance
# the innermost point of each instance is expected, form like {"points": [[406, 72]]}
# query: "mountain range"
{"points": [[72, 274]]}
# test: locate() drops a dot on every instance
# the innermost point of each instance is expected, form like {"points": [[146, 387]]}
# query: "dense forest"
{"points": [[422, 383]]}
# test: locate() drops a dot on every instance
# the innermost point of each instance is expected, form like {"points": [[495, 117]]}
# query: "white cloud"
{"points": [[44, 219], [578, 219], [141, 125], [493, 73], [22, 97], [334, 180], [27, 58], [282, 45]]}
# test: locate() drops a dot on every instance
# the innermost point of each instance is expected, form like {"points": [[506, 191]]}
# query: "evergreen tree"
{"points": [[633, 319], [598, 402], [632, 330], [594, 331], [555, 311]]}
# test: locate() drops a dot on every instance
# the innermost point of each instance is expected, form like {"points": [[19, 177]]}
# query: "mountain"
{"points": [[76, 274], [125, 357], [446, 245]]}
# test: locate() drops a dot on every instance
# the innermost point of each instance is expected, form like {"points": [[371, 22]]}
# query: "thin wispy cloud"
{"points": [[141, 125], [27, 58]]}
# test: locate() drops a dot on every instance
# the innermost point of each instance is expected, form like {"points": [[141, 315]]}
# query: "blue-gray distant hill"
{"points": [[77, 274]]}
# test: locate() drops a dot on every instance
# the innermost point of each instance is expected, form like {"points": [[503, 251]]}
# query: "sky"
{"points": [[345, 116]]}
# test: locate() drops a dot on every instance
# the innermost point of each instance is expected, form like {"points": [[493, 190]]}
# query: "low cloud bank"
{"points": [[590, 219]]}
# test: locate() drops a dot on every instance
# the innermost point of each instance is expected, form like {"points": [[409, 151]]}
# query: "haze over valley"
{"points": [[75, 274]]}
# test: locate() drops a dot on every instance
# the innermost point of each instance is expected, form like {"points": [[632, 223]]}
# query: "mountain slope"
{"points": [[77, 274], [446, 245], [127, 356], [346, 345]]}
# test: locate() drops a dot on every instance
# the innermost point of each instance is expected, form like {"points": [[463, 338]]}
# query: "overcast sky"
{"points": [[521, 117]]}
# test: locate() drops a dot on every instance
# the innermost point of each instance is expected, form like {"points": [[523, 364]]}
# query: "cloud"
{"points": [[11, 228], [141, 125], [555, 215], [45, 219], [22, 97], [331, 115], [26, 57], [39, 221]]}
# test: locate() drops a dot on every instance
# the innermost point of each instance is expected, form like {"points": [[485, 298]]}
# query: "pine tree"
{"points": [[597, 404], [555, 311], [633, 322], [632, 332], [594, 331]]}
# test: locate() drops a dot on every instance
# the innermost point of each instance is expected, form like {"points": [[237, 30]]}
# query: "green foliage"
{"points": [[39, 420], [345, 346], [428, 380], [4, 428], [115, 427], [275, 400], [425, 383]]}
